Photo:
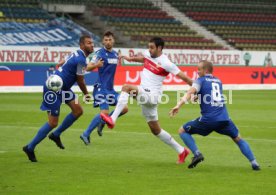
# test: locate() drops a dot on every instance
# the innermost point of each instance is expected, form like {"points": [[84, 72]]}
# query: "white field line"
{"points": [[142, 133]]}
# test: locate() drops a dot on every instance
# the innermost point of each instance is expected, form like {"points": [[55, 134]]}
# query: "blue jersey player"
{"points": [[71, 70], [214, 115], [104, 94]]}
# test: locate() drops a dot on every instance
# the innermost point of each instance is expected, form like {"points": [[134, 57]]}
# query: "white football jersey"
{"points": [[155, 71]]}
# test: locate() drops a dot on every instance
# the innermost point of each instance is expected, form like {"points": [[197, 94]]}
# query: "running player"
{"points": [[104, 93]]}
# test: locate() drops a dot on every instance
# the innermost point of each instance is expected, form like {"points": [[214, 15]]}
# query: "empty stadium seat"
{"points": [[247, 24], [27, 16], [141, 20]]}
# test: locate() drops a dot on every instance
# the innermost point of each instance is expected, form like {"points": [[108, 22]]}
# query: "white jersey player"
{"points": [[156, 67]]}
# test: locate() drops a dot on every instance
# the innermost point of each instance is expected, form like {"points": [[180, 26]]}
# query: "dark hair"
{"points": [[83, 37], [207, 65], [158, 41], [108, 33]]}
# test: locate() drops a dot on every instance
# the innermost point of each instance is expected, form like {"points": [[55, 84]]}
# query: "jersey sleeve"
{"points": [[197, 84], [81, 67], [146, 54], [95, 57], [171, 67]]}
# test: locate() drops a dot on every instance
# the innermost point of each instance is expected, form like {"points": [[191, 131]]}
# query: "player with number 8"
{"points": [[214, 115]]}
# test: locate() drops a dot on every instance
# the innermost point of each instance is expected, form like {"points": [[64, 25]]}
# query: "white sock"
{"points": [[122, 102], [168, 139]]}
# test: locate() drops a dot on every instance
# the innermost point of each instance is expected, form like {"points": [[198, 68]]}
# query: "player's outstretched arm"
{"points": [[91, 66], [133, 59], [186, 98], [185, 78]]}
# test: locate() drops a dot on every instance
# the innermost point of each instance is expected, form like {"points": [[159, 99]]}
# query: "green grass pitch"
{"points": [[129, 160]]}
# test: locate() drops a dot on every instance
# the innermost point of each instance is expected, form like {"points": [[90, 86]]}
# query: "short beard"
{"points": [[110, 47]]}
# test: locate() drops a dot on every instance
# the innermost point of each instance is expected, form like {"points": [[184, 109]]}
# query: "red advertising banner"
{"points": [[228, 75], [11, 78]]}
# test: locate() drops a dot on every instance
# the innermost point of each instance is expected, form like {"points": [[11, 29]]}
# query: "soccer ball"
{"points": [[54, 82]]}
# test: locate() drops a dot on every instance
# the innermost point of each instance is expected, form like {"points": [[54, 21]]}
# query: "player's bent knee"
{"points": [[105, 111], [155, 131], [154, 127], [125, 110], [78, 112], [53, 123], [186, 127], [126, 88], [181, 130], [237, 139]]}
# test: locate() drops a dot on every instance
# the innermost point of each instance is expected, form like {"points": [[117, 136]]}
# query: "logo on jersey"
{"points": [[94, 57], [188, 128], [112, 60], [83, 70], [155, 68], [158, 64]]}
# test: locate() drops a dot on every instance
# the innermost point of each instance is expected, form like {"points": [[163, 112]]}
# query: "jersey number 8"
{"points": [[216, 95]]}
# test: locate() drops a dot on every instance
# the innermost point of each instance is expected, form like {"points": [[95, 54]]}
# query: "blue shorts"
{"points": [[52, 100], [104, 98], [205, 128]]}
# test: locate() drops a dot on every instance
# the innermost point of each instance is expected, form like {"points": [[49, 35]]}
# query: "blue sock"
{"points": [[67, 122], [245, 149], [190, 142], [41, 134], [94, 123]]}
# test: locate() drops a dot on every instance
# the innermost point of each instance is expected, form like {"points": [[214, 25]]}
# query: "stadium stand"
{"points": [[76, 2], [247, 25], [141, 20], [22, 11], [27, 17]]}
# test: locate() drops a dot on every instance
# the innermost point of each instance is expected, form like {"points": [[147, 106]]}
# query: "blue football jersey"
{"points": [[74, 65], [107, 71], [210, 96]]}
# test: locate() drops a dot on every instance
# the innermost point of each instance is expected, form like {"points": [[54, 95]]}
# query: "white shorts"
{"points": [[149, 103]]}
